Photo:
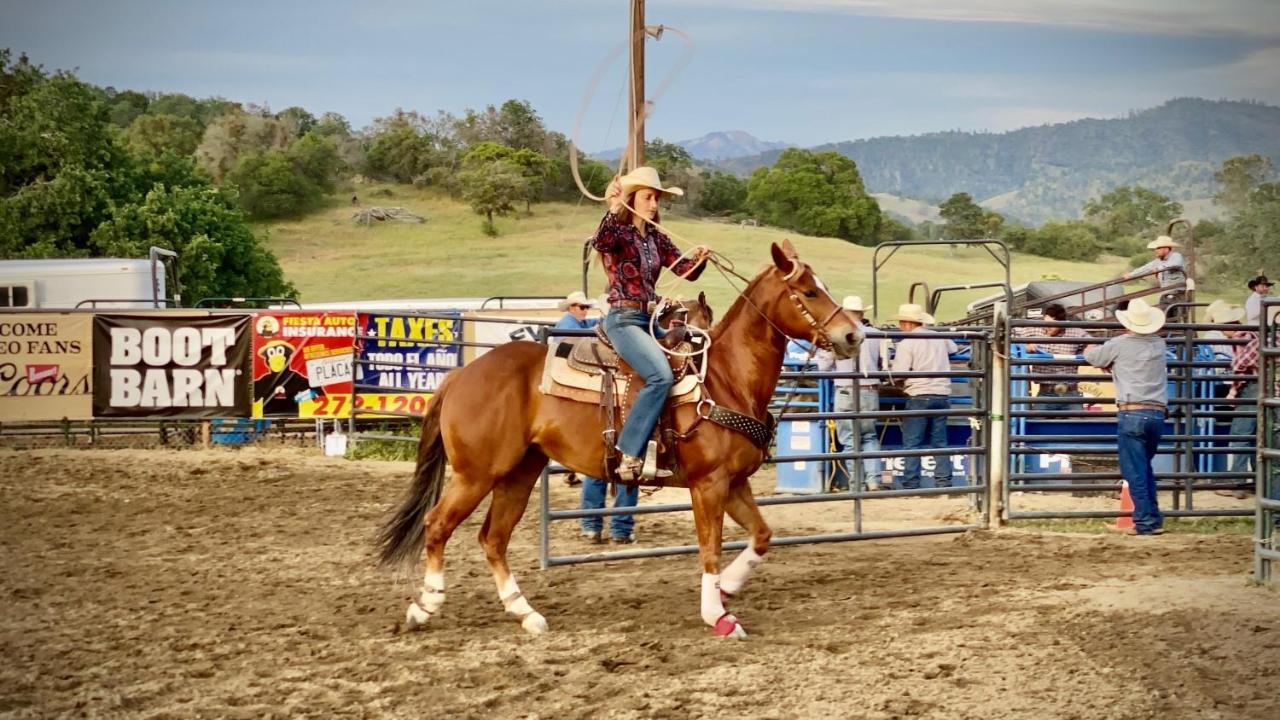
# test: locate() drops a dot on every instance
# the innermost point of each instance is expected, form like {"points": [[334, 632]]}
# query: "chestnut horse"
{"points": [[491, 424]]}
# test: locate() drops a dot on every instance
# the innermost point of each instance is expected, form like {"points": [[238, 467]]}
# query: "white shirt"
{"points": [[925, 355], [869, 360], [1253, 307]]}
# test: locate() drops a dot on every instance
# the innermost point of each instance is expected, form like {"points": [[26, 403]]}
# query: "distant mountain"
{"points": [[716, 146], [1039, 173]]}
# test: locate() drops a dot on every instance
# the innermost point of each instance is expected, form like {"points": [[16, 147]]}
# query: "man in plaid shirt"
{"points": [[1049, 388], [1244, 361]]}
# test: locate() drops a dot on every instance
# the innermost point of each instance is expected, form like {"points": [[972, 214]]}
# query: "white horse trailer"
{"points": [[65, 284]]}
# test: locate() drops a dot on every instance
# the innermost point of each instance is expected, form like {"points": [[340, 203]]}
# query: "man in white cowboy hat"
{"points": [[594, 490], [924, 354], [575, 305], [1259, 288], [1136, 361], [868, 398], [1171, 265]]}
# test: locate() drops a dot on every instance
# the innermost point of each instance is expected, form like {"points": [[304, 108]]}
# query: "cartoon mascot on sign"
{"points": [[281, 390]]}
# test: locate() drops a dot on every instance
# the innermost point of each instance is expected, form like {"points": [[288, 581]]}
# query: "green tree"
{"points": [[297, 120], [406, 146], [1130, 212], [1238, 177], [234, 134], [270, 187], [722, 193], [155, 135], [126, 106], [964, 219], [218, 252], [1251, 239], [814, 193], [493, 188], [535, 167]]}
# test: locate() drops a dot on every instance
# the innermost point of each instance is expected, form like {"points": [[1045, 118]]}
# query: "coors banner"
{"points": [[164, 366]]}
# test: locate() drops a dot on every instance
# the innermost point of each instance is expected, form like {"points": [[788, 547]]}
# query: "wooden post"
{"points": [[635, 123], [206, 435]]}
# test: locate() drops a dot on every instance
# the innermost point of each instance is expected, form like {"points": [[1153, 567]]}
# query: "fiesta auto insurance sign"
{"points": [[194, 366]]}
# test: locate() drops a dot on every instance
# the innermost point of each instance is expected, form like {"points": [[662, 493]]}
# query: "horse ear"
{"points": [[789, 249], [780, 259], [702, 298]]}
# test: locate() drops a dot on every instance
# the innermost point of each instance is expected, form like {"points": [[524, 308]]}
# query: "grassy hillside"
{"points": [[329, 257]]}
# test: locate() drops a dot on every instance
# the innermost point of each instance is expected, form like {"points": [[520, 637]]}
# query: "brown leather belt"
{"points": [[631, 305], [1141, 406]]}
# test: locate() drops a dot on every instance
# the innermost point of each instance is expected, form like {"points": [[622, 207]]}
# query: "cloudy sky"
{"points": [[803, 71]]}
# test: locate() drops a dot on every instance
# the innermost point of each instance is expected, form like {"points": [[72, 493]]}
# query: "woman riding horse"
{"points": [[634, 251]]}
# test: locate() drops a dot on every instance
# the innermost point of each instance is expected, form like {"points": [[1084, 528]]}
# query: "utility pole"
{"points": [[635, 117]]}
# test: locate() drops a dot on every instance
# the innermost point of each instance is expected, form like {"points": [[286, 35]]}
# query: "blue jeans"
{"points": [[915, 430], [1243, 462], [1138, 435], [593, 492], [628, 330], [868, 401]]}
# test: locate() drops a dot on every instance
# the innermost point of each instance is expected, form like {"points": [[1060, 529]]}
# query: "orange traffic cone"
{"points": [[1124, 522]]}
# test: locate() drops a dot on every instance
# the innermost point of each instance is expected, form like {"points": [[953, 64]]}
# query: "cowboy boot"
{"points": [[650, 470]]}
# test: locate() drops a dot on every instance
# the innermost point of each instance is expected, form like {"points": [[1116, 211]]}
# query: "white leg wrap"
{"points": [[515, 603], [430, 600], [712, 608], [432, 596], [735, 576]]}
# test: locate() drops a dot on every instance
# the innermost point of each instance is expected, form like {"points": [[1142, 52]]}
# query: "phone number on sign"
{"points": [[413, 403]]}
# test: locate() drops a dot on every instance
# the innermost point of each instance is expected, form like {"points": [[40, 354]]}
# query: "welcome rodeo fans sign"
{"points": [[153, 366], [302, 364], [45, 367]]}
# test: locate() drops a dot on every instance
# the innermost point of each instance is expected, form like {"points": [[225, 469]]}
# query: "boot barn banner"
{"points": [[302, 364], [188, 366], [399, 340], [46, 364]]}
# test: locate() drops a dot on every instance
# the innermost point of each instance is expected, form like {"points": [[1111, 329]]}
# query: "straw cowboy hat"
{"points": [[911, 312], [577, 297], [1229, 314], [1141, 318], [1260, 280], [854, 304], [645, 177], [1164, 241]]}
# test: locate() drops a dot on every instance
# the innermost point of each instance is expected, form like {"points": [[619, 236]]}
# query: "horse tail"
{"points": [[400, 540]]}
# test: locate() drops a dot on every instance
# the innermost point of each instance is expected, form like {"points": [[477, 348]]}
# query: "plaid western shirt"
{"points": [[1057, 347], [632, 260], [1244, 359]]}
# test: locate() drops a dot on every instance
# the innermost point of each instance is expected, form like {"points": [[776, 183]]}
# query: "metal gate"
{"points": [[1266, 551]]}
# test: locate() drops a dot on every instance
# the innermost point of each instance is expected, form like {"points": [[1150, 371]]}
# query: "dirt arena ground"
{"points": [[143, 583]]}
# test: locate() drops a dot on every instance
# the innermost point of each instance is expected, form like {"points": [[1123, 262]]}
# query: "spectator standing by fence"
{"points": [[576, 306], [1259, 288], [868, 390], [1137, 364], [931, 355], [1050, 387], [1244, 361]]}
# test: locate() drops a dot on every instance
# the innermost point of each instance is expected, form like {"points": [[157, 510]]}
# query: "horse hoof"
{"points": [[535, 624], [415, 617], [728, 626]]}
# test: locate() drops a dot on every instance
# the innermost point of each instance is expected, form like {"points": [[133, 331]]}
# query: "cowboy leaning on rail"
{"points": [[1136, 361], [1172, 269], [634, 252]]}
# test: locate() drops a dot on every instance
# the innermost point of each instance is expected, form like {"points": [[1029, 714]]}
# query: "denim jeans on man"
{"points": [[1138, 435], [926, 432], [593, 498], [1243, 461], [628, 330], [868, 401]]}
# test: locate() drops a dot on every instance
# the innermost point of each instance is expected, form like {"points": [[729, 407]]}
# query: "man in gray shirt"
{"points": [[868, 399], [1172, 269], [931, 355], [1136, 361]]}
